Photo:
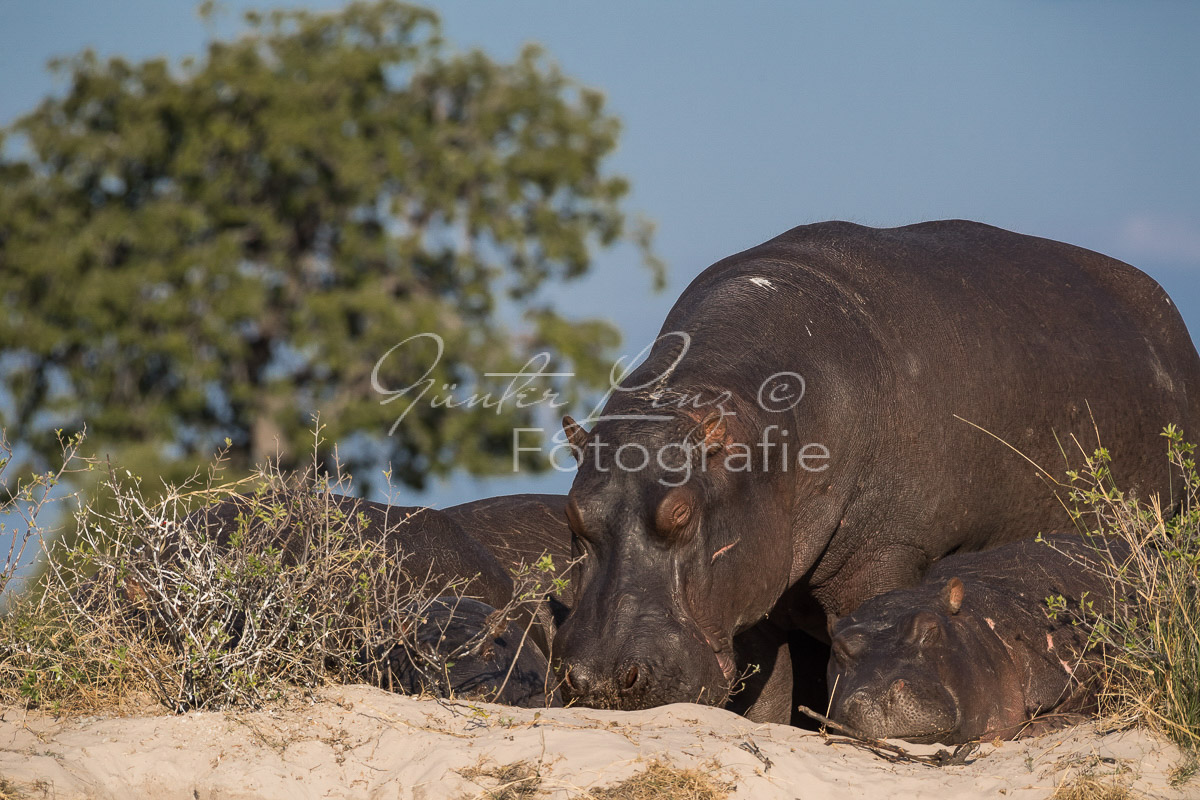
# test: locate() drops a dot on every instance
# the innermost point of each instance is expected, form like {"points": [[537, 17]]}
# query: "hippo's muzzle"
{"points": [[914, 711]]}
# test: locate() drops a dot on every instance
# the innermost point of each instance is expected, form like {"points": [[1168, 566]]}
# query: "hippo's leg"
{"points": [[767, 693], [810, 662]]}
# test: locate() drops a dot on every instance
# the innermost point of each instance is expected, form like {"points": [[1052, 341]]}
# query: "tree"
{"points": [[218, 250]]}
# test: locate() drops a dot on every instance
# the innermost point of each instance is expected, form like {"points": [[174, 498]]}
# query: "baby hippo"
{"points": [[971, 652]]}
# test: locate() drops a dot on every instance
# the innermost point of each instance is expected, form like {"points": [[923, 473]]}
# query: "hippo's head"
{"points": [[900, 666], [673, 563], [462, 647]]}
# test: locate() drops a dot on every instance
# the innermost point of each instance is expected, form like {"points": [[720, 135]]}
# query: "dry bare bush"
{"points": [[289, 586], [25, 501]]}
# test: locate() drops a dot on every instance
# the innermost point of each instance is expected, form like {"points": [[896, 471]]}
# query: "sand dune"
{"points": [[361, 742]]}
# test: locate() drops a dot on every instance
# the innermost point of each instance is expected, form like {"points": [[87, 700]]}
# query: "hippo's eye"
{"points": [[924, 628], [848, 646], [673, 515]]}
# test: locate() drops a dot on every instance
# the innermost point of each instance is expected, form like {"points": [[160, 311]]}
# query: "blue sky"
{"points": [[1078, 121]]}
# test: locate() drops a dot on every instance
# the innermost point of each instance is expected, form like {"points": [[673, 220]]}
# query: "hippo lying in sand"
{"points": [[488, 658], [519, 529], [971, 652], [479, 649], [482, 652], [467, 647]]}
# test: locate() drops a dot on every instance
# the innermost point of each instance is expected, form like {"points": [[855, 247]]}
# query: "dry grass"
{"points": [[517, 781], [662, 781], [1090, 787], [1185, 770], [40, 789]]}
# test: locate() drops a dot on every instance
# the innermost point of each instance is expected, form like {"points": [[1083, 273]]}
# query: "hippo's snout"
{"points": [[622, 689], [904, 709]]}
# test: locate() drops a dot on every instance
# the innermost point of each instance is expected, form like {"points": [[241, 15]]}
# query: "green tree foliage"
{"points": [[221, 249]]}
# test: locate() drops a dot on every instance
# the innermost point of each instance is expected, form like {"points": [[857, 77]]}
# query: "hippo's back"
{"points": [[952, 364], [945, 301], [518, 528]]}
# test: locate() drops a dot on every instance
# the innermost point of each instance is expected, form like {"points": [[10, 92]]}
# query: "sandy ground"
{"points": [[365, 743]]}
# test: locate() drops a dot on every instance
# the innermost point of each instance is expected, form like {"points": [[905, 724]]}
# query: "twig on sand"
{"points": [[889, 751], [753, 749]]}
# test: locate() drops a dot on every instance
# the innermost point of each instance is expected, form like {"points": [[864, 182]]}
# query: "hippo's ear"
{"points": [[713, 431], [576, 436], [952, 595]]}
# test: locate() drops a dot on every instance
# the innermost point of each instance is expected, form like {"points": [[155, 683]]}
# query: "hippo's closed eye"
{"points": [[673, 515], [575, 519], [924, 628], [848, 646]]}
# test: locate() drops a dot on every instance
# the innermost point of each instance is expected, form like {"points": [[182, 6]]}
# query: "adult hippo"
{"points": [[519, 529], [827, 414], [973, 651]]}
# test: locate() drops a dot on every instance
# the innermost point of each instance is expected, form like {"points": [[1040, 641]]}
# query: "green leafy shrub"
{"points": [[1151, 638]]}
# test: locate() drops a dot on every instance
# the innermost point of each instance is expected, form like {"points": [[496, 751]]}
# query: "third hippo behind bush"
{"points": [[972, 651]]}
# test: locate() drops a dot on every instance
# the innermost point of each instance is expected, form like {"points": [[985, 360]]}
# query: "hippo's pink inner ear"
{"points": [[576, 436], [952, 595]]}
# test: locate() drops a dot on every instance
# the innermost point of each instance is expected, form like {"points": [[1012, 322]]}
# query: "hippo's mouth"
{"points": [[721, 646], [725, 659]]}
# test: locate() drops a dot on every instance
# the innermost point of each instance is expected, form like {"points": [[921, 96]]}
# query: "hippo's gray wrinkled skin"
{"points": [[910, 357], [519, 529], [475, 660], [971, 652]]}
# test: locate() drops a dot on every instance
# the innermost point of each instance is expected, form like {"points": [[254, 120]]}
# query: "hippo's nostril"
{"points": [[631, 677], [576, 680]]}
